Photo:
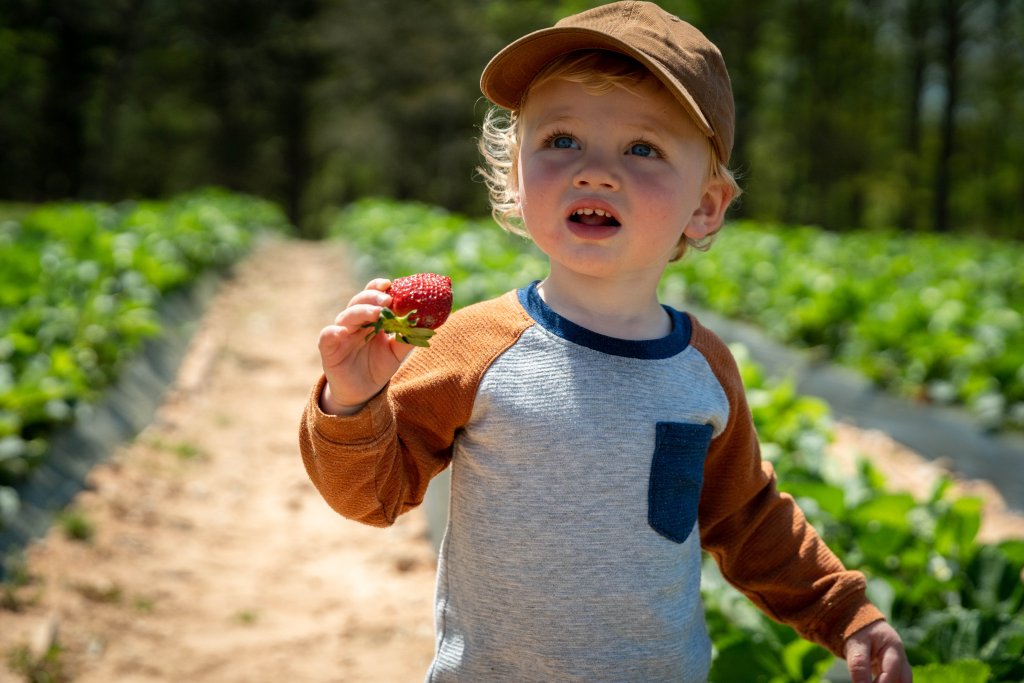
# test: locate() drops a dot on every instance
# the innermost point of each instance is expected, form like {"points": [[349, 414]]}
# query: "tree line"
{"points": [[903, 114]]}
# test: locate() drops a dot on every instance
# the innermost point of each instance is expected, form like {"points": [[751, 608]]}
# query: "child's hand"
{"points": [[356, 369], [876, 650]]}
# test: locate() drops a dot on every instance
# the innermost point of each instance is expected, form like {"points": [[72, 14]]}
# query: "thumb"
{"points": [[858, 659]]}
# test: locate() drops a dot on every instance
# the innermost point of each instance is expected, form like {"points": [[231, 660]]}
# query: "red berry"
{"points": [[419, 305], [427, 295]]}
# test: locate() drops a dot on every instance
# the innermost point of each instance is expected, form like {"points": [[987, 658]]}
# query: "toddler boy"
{"points": [[599, 441]]}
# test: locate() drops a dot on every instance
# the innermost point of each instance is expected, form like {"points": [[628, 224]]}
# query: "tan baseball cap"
{"points": [[679, 55]]}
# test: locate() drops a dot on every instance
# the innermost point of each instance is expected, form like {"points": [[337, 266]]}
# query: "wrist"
{"points": [[330, 406]]}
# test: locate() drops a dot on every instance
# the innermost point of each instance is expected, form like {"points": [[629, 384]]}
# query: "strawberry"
{"points": [[419, 305]]}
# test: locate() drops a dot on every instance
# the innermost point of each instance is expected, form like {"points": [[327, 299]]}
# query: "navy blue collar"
{"points": [[648, 349]]}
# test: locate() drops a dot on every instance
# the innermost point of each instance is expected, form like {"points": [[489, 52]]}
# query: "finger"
{"points": [[332, 343], [354, 317], [379, 283], [373, 297], [894, 667], [907, 672], [858, 660], [338, 342]]}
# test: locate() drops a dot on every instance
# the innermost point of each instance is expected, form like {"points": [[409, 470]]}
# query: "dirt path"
{"points": [[213, 560]]}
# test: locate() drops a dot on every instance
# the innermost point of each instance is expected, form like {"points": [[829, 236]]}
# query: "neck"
{"points": [[624, 310]]}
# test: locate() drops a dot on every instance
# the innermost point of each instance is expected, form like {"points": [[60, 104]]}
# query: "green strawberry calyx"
{"points": [[402, 326]]}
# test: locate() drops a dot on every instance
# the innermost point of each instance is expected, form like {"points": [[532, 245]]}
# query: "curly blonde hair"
{"points": [[598, 71]]}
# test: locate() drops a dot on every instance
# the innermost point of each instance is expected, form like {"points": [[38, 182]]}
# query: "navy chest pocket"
{"points": [[677, 474]]}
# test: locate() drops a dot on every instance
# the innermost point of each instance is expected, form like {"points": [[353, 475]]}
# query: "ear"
{"points": [[710, 212]]}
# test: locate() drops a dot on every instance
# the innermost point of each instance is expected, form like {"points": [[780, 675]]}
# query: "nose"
{"points": [[595, 171]]}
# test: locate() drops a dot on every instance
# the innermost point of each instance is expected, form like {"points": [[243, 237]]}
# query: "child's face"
{"points": [[609, 182]]}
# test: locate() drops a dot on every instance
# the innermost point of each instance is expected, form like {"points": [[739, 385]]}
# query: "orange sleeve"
{"points": [[376, 464], [759, 537]]}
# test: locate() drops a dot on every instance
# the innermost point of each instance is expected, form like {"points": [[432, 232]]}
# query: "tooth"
{"points": [[592, 212]]}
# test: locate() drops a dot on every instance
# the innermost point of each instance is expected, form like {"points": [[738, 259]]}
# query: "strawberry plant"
{"points": [[957, 603], [937, 318], [952, 599], [79, 286]]}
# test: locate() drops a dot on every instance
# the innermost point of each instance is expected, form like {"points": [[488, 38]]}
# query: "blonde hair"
{"points": [[598, 71]]}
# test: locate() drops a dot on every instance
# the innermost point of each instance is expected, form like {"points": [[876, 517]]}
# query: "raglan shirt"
{"points": [[588, 473]]}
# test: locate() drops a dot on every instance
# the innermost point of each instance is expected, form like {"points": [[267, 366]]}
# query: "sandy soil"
{"points": [[905, 470], [213, 560]]}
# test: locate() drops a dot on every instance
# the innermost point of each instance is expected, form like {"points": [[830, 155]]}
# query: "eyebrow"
{"points": [[562, 118], [645, 126]]}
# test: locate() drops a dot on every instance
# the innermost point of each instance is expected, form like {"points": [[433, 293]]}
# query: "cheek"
{"points": [[676, 194], [664, 202], [536, 182]]}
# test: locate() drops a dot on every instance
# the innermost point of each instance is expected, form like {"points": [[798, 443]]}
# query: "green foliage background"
{"points": [[901, 114], [937, 318], [80, 287]]}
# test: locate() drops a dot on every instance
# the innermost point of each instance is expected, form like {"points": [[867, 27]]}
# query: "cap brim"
{"points": [[509, 73]]}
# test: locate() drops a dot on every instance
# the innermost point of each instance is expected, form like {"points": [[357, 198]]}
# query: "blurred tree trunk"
{"points": [[294, 124], [62, 148], [126, 39], [231, 146], [916, 29], [300, 59], [1002, 149], [952, 22]]}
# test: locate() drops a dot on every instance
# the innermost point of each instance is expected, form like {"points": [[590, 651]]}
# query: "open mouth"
{"points": [[594, 217]]}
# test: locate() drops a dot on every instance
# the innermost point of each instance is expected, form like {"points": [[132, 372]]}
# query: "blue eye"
{"points": [[562, 142], [642, 149]]}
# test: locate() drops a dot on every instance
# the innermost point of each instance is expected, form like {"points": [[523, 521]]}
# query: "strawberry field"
{"points": [[80, 285], [940, 319], [946, 330]]}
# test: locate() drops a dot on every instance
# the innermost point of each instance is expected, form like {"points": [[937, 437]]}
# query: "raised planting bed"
{"points": [[82, 287]]}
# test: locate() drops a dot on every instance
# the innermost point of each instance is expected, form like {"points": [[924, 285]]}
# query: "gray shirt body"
{"points": [[572, 551]]}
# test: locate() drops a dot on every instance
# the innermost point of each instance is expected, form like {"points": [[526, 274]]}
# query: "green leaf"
{"points": [[831, 499], [888, 510], [995, 581], [1014, 551], [965, 671], [744, 660], [958, 527], [805, 661]]}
